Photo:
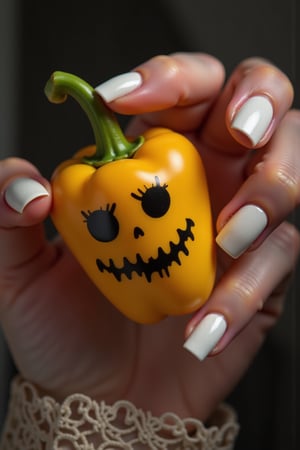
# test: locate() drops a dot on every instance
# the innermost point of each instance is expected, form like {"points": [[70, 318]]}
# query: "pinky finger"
{"points": [[245, 290]]}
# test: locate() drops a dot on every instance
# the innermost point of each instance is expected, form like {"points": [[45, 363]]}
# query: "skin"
{"points": [[65, 337]]}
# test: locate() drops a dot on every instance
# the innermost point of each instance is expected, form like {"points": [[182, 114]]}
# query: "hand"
{"points": [[65, 337]]}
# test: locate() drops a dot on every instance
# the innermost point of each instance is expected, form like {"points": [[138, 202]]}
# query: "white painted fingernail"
{"points": [[206, 335], [242, 230], [22, 191], [119, 86], [254, 118]]}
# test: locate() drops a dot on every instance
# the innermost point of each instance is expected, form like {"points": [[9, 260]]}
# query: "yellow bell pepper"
{"points": [[136, 214]]}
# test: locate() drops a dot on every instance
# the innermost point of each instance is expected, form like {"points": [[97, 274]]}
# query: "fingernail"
{"points": [[242, 230], [206, 335], [254, 118], [22, 191], [119, 86]]}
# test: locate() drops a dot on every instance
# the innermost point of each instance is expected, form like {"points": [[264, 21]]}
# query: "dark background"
{"points": [[99, 39]]}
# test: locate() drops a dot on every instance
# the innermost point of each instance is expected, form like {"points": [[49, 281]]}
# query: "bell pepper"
{"points": [[135, 212]]}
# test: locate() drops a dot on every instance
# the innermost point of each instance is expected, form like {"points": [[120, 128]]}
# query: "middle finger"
{"points": [[248, 111]]}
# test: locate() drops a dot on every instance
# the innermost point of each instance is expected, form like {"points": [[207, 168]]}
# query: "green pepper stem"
{"points": [[111, 143]]}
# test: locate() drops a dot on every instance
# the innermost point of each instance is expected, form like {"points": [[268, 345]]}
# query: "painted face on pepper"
{"points": [[135, 213]]}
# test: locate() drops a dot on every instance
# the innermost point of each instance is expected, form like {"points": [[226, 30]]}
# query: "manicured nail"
{"points": [[254, 118], [22, 191], [119, 86], [206, 335], [242, 230]]}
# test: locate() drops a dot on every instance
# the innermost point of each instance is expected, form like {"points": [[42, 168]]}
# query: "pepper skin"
{"points": [[136, 214]]}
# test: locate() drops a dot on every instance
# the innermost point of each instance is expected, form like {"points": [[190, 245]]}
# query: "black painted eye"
{"points": [[155, 200], [102, 224]]}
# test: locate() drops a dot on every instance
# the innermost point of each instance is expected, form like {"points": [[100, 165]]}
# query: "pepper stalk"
{"points": [[111, 144]]}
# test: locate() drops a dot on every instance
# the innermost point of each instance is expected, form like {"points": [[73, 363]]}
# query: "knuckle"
{"points": [[288, 179], [284, 179], [168, 63], [286, 239], [243, 289]]}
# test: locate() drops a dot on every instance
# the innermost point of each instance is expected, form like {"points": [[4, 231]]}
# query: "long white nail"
{"points": [[22, 191], [254, 118], [206, 335], [119, 86], [242, 230]]}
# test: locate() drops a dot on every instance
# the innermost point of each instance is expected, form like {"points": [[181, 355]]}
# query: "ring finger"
{"points": [[243, 291]]}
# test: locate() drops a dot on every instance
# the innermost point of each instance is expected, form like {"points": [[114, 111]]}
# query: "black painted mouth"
{"points": [[160, 264]]}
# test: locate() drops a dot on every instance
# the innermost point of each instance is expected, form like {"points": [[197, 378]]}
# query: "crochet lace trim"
{"points": [[37, 422]]}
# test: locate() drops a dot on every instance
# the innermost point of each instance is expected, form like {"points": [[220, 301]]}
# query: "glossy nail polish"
{"points": [[119, 86], [206, 335], [253, 118], [21, 191], [242, 230]]}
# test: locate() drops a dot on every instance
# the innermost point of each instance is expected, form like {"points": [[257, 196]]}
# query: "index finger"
{"points": [[174, 91]]}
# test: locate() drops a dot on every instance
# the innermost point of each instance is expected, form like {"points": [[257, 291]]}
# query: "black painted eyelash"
{"points": [[157, 184], [155, 199], [108, 208]]}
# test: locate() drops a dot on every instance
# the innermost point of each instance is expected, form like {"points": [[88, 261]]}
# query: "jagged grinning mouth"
{"points": [[160, 264]]}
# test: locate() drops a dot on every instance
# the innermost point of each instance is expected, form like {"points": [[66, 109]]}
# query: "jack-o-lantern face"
{"points": [[141, 227], [155, 201], [135, 213]]}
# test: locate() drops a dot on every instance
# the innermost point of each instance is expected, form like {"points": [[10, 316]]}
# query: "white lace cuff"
{"points": [[37, 422]]}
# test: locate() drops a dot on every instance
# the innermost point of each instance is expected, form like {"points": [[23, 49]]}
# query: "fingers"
{"points": [[177, 91], [174, 91], [252, 104], [243, 292], [25, 201], [251, 112], [269, 194]]}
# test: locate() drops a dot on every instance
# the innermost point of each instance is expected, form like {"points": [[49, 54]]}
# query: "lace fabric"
{"points": [[37, 422]]}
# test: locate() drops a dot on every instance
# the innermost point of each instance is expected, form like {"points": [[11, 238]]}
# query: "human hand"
{"points": [[66, 338]]}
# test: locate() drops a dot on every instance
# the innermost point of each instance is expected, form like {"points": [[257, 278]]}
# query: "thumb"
{"points": [[25, 202]]}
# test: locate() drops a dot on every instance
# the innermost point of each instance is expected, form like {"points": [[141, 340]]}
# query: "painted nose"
{"points": [[137, 232]]}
